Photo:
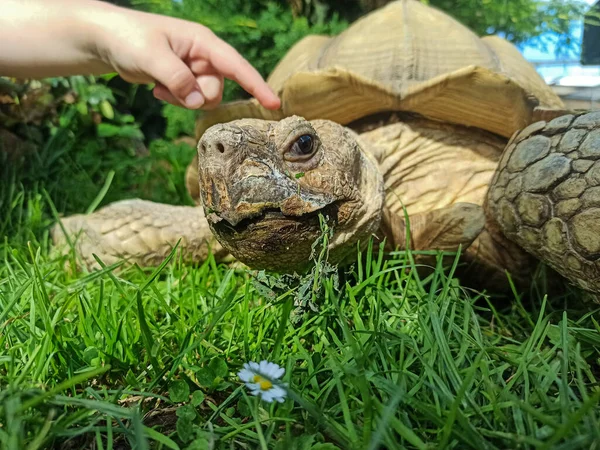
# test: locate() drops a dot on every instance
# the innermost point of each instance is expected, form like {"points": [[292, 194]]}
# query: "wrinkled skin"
{"points": [[264, 184]]}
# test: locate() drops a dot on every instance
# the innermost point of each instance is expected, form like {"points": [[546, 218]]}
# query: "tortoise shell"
{"points": [[406, 56]]}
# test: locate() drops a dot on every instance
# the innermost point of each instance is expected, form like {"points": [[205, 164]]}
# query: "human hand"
{"points": [[186, 60]]}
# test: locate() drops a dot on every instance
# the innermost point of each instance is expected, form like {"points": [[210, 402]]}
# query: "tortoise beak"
{"points": [[257, 188]]}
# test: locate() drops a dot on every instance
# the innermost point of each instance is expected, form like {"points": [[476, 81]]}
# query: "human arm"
{"points": [[188, 63]]}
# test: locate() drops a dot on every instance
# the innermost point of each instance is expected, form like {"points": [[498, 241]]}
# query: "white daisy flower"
{"points": [[261, 378]]}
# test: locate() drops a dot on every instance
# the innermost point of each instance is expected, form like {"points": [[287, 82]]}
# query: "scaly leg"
{"points": [[443, 229], [139, 231], [486, 252]]}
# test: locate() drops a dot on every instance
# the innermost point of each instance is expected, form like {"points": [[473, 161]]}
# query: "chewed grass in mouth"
{"points": [[272, 216]]}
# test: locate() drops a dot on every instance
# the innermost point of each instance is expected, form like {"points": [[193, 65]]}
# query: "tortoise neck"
{"points": [[378, 120], [392, 228]]}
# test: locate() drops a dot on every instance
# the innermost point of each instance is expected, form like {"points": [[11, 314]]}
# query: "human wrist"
{"points": [[50, 38], [95, 31]]}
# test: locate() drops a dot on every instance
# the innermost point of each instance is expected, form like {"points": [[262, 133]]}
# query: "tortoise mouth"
{"points": [[274, 216], [274, 241]]}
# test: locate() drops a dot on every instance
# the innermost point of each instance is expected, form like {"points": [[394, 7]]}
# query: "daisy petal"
{"points": [[264, 367], [271, 368], [278, 391], [245, 375], [278, 373], [267, 396], [253, 386]]}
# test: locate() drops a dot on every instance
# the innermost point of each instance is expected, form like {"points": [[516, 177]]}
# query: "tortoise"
{"points": [[405, 119]]}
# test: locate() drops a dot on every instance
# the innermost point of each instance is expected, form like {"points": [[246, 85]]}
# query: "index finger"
{"points": [[227, 61]]}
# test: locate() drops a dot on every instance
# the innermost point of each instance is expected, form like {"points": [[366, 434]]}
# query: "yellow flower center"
{"points": [[264, 384]]}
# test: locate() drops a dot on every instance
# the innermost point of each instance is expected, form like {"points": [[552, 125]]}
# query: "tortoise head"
{"points": [[264, 184]]}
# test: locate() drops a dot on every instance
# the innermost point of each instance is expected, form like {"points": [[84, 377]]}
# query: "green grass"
{"points": [[376, 356], [147, 359]]}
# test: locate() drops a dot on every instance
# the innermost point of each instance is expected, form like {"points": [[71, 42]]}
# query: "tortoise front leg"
{"points": [[139, 231], [445, 229], [486, 252], [545, 195]]}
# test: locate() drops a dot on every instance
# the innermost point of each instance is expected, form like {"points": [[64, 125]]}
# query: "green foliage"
{"points": [[79, 136], [180, 121], [198, 397], [179, 391], [537, 21]]}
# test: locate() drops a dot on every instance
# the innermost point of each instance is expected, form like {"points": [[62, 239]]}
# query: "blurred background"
{"points": [[73, 144], [572, 69]]}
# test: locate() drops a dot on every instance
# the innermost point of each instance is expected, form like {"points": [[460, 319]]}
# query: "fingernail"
{"points": [[194, 100]]}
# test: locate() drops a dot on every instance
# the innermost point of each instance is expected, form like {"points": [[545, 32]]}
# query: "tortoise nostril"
{"points": [[221, 148], [203, 147]]}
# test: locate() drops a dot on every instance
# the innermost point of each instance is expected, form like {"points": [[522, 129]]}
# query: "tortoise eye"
{"points": [[302, 150], [303, 146]]}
